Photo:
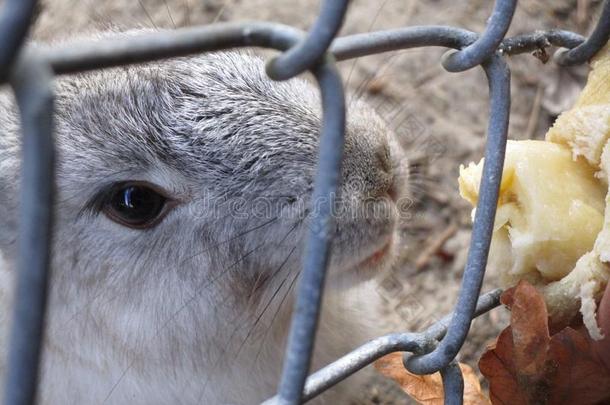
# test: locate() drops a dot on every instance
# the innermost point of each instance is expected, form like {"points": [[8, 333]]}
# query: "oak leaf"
{"points": [[528, 365], [428, 389]]}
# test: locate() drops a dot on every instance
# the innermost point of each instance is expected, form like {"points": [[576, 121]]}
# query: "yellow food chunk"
{"points": [[586, 127], [552, 226], [550, 210]]}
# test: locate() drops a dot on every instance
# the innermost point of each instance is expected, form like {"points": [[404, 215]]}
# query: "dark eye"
{"points": [[135, 205]]}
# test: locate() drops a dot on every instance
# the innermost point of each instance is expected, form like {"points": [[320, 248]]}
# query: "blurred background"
{"points": [[440, 117]]}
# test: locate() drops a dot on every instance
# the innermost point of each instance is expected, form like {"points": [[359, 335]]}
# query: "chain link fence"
{"points": [[30, 73]]}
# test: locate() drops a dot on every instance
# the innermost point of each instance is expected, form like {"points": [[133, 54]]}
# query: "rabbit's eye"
{"points": [[136, 205]]}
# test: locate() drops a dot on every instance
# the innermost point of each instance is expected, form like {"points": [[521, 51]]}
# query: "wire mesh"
{"points": [[30, 74]]}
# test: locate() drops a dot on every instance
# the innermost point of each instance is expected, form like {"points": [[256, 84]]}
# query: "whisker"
{"points": [[116, 384], [169, 13], [383, 66], [282, 241], [370, 28], [277, 311], [187, 18], [82, 309], [172, 317], [277, 271], [148, 15], [304, 213], [205, 285], [257, 286], [237, 321], [239, 326], [239, 235], [260, 316], [220, 12]]}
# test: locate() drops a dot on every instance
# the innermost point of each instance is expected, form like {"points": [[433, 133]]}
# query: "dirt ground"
{"points": [[440, 116]]}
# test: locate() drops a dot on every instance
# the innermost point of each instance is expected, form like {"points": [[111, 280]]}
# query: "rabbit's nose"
{"points": [[368, 167], [383, 158]]}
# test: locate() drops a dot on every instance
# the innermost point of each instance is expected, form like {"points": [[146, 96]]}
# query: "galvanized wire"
{"points": [[31, 81], [453, 382], [585, 51], [539, 40], [432, 350], [499, 94], [303, 328], [499, 87], [480, 50], [308, 52], [15, 19], [359, 358]]}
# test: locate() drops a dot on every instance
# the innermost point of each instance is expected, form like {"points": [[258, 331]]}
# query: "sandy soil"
{"points": [[441, 116]]}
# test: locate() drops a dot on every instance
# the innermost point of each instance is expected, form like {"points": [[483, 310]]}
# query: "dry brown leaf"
{"points": [[428, 389], [529, 326], [529, 366]]}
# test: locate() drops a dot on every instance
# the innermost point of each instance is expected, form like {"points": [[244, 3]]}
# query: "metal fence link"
{"points": [[429, 351], [598, 38], [475, 53], [317, 250], [359, 358], [15, 19], [358, 45], [498, 76], [308, 52], [151, 46], [31, 81]]}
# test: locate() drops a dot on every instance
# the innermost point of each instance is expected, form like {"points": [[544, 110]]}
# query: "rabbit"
{"points": [[182, 208]]}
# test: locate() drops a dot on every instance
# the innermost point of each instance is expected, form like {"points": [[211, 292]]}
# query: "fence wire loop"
{"points": [[364, 355], [429, 351], [481, 49], [585, 51], [498, 77], [308, 52]]}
